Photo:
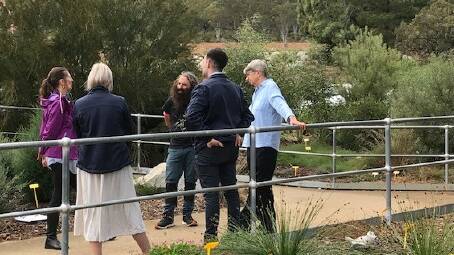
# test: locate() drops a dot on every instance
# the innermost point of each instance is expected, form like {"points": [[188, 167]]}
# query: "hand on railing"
{"points": [[295, 122], [238, 141]]}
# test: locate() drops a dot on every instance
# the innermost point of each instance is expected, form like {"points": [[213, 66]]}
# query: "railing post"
{"points": [[139, 131], [252, 178], [446, 154], [333, 182], [64, 207], [388, 215]]}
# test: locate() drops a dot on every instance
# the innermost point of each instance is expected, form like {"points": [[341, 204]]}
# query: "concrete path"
{"points": [[338, 206]]}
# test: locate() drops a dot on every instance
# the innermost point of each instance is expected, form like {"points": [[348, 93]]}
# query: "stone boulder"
{"points": [[157, 177]]}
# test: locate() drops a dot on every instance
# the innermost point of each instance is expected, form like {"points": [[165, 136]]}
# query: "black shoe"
{"points": [[52, 243], [164, 223], [189, 221]]}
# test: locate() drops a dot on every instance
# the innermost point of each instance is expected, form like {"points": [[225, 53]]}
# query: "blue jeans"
{"points": [[180, 161]]}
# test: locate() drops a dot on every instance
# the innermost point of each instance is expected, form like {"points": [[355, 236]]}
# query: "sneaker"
{"points": [[189, 221], [164, 223]]}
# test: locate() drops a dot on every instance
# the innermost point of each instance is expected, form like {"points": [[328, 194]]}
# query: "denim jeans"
{"points": [[180, 161], [217, 166]]}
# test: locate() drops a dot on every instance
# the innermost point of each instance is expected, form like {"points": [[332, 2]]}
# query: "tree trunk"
{"points": [[218, 32], [284, 35], [295, 31]]}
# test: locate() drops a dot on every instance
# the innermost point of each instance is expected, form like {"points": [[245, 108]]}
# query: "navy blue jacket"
{"points": [[217, 103], [100, 114]]}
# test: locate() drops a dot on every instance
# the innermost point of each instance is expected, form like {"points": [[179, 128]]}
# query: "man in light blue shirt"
{"points": [[269, 109]]}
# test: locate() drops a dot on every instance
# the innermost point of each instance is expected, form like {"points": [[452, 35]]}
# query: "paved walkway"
{"points": [[338, 206]]}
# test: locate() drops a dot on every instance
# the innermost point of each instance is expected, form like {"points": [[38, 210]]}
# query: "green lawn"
{"points": [[322, 164]]}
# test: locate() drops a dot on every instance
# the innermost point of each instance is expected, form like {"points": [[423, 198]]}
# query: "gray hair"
{"points": [[100, 75], [256, 65]]}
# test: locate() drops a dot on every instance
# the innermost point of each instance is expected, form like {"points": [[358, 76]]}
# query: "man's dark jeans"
{"points": [[266, 214], [217, 165]]}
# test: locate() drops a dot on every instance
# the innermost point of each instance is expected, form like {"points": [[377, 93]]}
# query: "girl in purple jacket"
{"points": [[56, 124]]}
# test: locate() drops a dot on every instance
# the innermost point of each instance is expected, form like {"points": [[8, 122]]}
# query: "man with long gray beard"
{"points": [[180, 157]]}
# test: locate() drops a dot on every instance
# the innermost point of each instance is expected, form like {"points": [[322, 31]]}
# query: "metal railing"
{"points": [[65, 208], [334, 156]]}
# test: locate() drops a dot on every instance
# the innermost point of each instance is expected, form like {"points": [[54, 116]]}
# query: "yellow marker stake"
{"points": [[210, 246], [34, 186], [307, 147], [295, 169]]}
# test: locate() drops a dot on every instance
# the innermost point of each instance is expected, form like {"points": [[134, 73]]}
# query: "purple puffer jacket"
{"points": [[56, 123]]}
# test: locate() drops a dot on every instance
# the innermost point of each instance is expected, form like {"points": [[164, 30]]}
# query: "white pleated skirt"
{"points": [[103, 223]]}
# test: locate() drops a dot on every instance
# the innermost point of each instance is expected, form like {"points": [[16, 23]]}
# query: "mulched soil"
{"points": [[151, 209], [387, 236], [403, 177]]}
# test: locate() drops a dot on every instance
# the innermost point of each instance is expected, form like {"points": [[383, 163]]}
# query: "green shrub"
{"points": [[430, 32], [370, 67], [9, 196], [176, 249], [291, 235], [320, 53], [25, 166], [426, 90]]}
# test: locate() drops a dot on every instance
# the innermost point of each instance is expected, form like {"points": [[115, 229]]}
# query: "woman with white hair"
{"points": [[104, 170]]}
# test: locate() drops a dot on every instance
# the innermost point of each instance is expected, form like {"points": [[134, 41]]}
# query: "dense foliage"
{"points": [[144, 42], [430, 32]]}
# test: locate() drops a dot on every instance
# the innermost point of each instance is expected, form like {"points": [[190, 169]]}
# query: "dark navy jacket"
{"points": [[217, 103], [100, 114]]}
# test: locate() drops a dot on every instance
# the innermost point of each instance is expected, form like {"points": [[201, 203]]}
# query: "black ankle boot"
{"points": [[52, 243]]}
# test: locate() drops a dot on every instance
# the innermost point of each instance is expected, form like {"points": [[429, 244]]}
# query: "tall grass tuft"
{"points": [[290, 237], [430, 235]]}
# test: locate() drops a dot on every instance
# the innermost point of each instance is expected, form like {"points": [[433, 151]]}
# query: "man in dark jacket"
{"points": [[217, 103]]}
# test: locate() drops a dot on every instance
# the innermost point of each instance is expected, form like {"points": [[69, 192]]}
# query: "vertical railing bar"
{"points": [[65, 196], [253, 178], [333, 181], [446, 154], [388, 215], [139, 131]]}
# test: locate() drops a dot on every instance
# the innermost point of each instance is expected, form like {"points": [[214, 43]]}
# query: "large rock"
{"points": [[157, 177]]}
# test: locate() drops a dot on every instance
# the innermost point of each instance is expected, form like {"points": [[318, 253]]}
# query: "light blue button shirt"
{"points": [[269, 108]]}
